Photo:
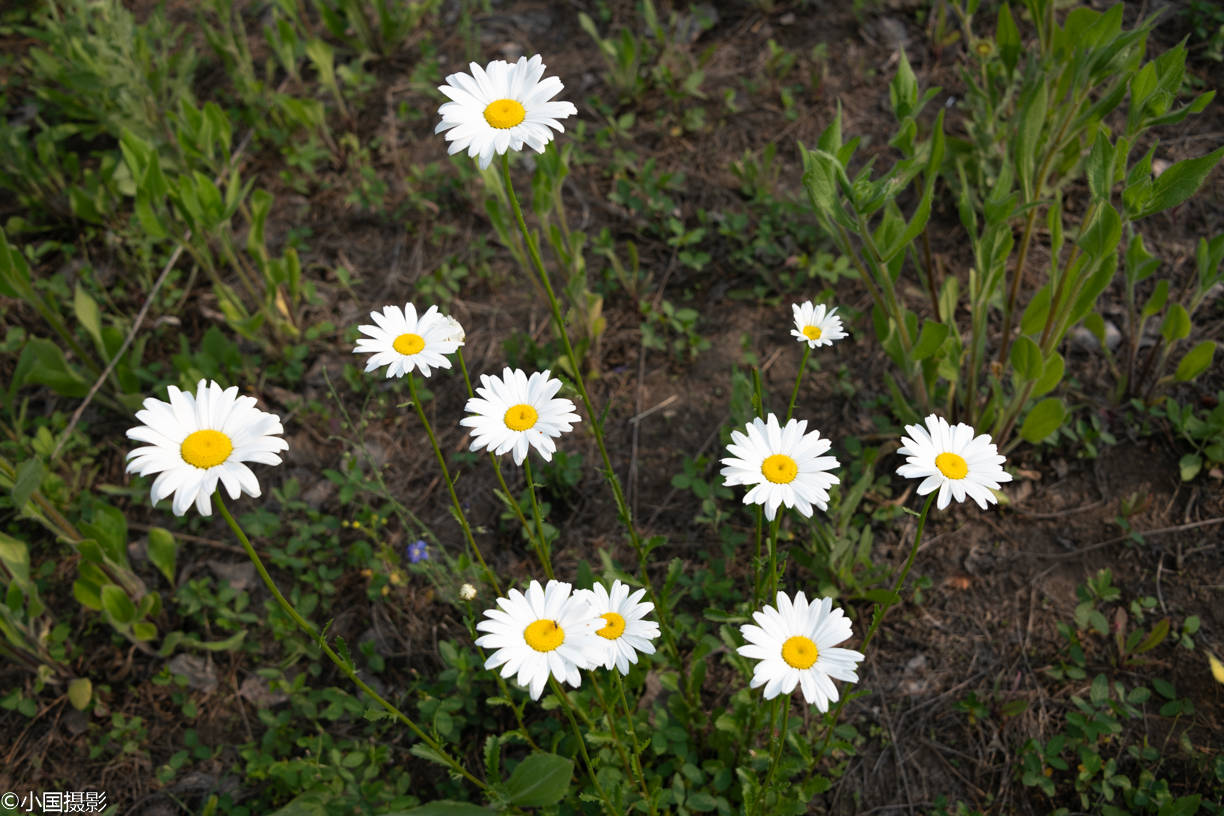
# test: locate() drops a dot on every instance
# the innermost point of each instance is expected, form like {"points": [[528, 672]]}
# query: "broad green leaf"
{"points": [[14, 271], [1155, 637], [903, 90], [1026, 358], [1196, 361], [1176, 323], [539, 780], [1179, 182], [1156, 301], [1103, 234], [1051, 375], [1037, 312], [1099, 167], [80, 691], [1007, 37], [29, 476], [1043, 420], [1026, 146], [117, 604], [87, 312], [162, 551], [42, 363], [16, 557], [1183, 806], [929, 340], [144, 630], [87, 594]]}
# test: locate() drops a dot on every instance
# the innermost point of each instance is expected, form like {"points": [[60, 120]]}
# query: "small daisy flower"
{"points": [[467, 592], [795, 644], [626, 631], [514, 412], [815, 326], [547, 631], [952, 459], [197, 440], [501, 107], [402, 341], [783, 464]]}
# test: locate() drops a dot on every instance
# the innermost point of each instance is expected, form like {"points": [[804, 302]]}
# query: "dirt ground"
{"points": [[999, 580]]}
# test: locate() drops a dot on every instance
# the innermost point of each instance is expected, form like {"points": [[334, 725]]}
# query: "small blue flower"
{"points": [[417, 551]]}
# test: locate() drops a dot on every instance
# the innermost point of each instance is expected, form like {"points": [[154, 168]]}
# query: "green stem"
{"points": [[779, 742], [882, 610], [807, 352], [637, 749], [540, 540], [630, 768], [773, 554], [342, 664], [450, 484], [569, 712], [618, 493]]}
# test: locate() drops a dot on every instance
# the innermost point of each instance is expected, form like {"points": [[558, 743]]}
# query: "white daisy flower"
{"points": [[197, 440], [512, 413], [796, 646], [626, 631], [952, 459], [815, 326], [402, 341], [501, 107], [545, 632], [783, 464]]}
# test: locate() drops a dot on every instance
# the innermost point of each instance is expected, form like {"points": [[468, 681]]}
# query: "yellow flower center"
{"points": [[799, 652], [812, 332], [504, 113], [408, 343], [521, 417], [952, 465], [615, 627], [779, 469], [205, 449], [544, 635]]}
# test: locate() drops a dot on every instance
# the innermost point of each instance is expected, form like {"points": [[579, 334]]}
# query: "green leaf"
{"points": [[86, 309], [701, 802], [117, 605], [14, 271], [1099, 167], [1037, 312], [1007, 36], [162, 551], [444, 807], [1026, 145], [1155, 637], [903, 90], [29, 476], [1043, 420], [1051, 375], [16, 557], [1189, 466], [43, 363], [539, 780], [1026, 358], [1195, 362], [1179, 182], [1102, 236], [929, 340], [80, 691], [1176, 323], [1156, 301]]}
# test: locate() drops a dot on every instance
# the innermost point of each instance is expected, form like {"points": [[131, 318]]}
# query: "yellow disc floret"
{"points": [[952, 465], [779, 469], [504, 114], [799, 652], [521, 417], [615, 627], [205, 449], [812, 332], [544, 635], [408, 343]]}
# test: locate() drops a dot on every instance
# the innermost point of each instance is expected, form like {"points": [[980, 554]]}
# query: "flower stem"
{"points": [[773, 554], [541, 541], [569, 712], [450, 484], [637, 750], [618, 494], [878, 617], [807, 352], [341, 663], [631, 768], [779, 742]]}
